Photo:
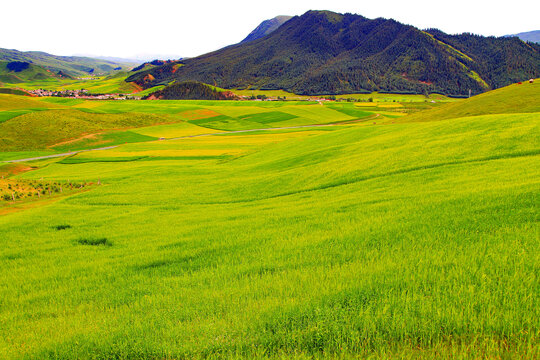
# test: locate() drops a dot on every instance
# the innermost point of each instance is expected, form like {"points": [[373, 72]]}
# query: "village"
{"points": [[86, 95], [78, 94]]}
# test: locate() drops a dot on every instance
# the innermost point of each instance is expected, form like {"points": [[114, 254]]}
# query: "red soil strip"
{"points": [[137, 88], [14, 169]]}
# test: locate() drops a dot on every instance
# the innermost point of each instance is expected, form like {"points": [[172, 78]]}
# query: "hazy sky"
{"points": [[126, 28]]}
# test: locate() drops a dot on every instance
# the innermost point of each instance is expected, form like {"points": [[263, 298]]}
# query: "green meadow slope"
{"points": [[38, 130], [389, 240], [30, 73], [516, 98]]}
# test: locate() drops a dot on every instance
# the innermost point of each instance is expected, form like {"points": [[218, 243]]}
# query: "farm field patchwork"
{"points": [[388, 237], [61, 124]]}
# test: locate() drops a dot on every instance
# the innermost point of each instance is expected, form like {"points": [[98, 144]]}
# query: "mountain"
{"points": [[135, 59], [140, 58], [119, 60], [322, 52], [532, 36], [71, 65], [151, 64], [266, 27]]}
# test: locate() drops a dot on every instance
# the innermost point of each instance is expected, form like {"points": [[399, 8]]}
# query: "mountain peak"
{"points": [[331, 16], [267, 27]]}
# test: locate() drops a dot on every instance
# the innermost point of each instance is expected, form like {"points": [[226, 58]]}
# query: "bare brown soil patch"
{"points": [[136, 88], [4, 210], [88, 136], [13, 169]]}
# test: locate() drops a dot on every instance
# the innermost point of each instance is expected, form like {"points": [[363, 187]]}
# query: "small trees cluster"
{"points": [[29, 189]]}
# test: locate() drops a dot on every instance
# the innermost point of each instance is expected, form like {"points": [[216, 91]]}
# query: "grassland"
{"points": [[399, 239], [52, 128], [62, 124], [517, 98]]}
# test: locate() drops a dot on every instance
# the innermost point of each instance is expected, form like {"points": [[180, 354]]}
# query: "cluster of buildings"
{"points": [[77, 94], [279, 98]]}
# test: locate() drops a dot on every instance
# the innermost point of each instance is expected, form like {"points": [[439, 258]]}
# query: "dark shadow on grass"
{"points": [[94, 241], [62, 227]]}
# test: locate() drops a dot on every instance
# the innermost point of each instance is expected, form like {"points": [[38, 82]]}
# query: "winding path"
{"points": [[200, 135]]}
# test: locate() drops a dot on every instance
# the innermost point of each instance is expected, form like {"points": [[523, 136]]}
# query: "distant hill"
{"points": [[532, 36], [69, 65], [135, 60], [322, 52], [114, 59], [190, 90], [15, 72], [267, 27]]}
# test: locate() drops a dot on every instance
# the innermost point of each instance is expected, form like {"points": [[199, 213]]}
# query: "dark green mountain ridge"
{"points": [[322, 52]]}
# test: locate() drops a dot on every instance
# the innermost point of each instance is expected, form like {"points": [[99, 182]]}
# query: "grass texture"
{"points": [[396, 240]]}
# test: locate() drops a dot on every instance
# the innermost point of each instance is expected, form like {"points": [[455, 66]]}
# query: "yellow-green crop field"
{"points": [[384, 235]]}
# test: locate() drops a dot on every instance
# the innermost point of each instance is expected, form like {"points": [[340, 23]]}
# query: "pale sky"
{"points": [[127, 28]]}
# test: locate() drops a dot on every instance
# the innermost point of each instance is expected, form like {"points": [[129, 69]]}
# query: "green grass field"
{"points": [[62, 124], [401, 236]]}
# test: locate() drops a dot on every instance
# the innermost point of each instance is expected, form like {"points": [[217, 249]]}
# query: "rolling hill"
{"points": [[71, 65], [267, 27], [512, 99], [42, 129], [15, 72], [325, 52]]}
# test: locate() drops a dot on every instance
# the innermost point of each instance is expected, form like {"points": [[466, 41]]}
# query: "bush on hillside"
{"points": [[17, 66], [190, 90]]}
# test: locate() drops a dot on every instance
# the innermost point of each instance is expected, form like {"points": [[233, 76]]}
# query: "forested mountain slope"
{"points": [[325, 52]]}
